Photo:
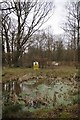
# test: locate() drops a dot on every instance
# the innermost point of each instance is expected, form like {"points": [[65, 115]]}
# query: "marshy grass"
{"points": [[62, 71]]}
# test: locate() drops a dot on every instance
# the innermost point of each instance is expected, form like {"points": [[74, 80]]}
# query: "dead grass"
{"points": [[61, 71]]}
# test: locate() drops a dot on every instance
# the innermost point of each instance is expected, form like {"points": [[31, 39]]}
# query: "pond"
{"points": [[35, 95]]}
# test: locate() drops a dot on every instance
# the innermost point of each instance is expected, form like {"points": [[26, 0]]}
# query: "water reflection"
{"points": [[42, 95], [9, 88]]}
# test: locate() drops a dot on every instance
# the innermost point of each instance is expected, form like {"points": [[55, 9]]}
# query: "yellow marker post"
{"points": [[36, 65]]}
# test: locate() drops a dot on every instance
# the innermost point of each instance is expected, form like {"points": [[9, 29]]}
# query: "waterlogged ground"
{"points": [[57, 93], [40, 95]]}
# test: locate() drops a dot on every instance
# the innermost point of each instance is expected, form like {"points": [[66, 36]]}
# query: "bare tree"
{"points": [[71, 25], [30, 16]]}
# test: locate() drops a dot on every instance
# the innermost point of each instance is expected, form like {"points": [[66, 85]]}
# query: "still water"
{"points": [[34, 95]]}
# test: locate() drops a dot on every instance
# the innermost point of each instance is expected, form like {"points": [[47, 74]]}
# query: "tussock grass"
{"points": [[62, 71]]}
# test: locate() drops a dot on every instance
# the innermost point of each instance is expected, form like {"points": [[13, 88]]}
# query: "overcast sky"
{"points": [[58, 17]]}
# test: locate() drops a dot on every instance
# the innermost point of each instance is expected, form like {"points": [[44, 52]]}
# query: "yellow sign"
{"points": [[36, 65]]}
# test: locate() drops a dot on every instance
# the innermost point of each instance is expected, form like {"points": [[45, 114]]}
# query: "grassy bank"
{"points": [[62, 71]]}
